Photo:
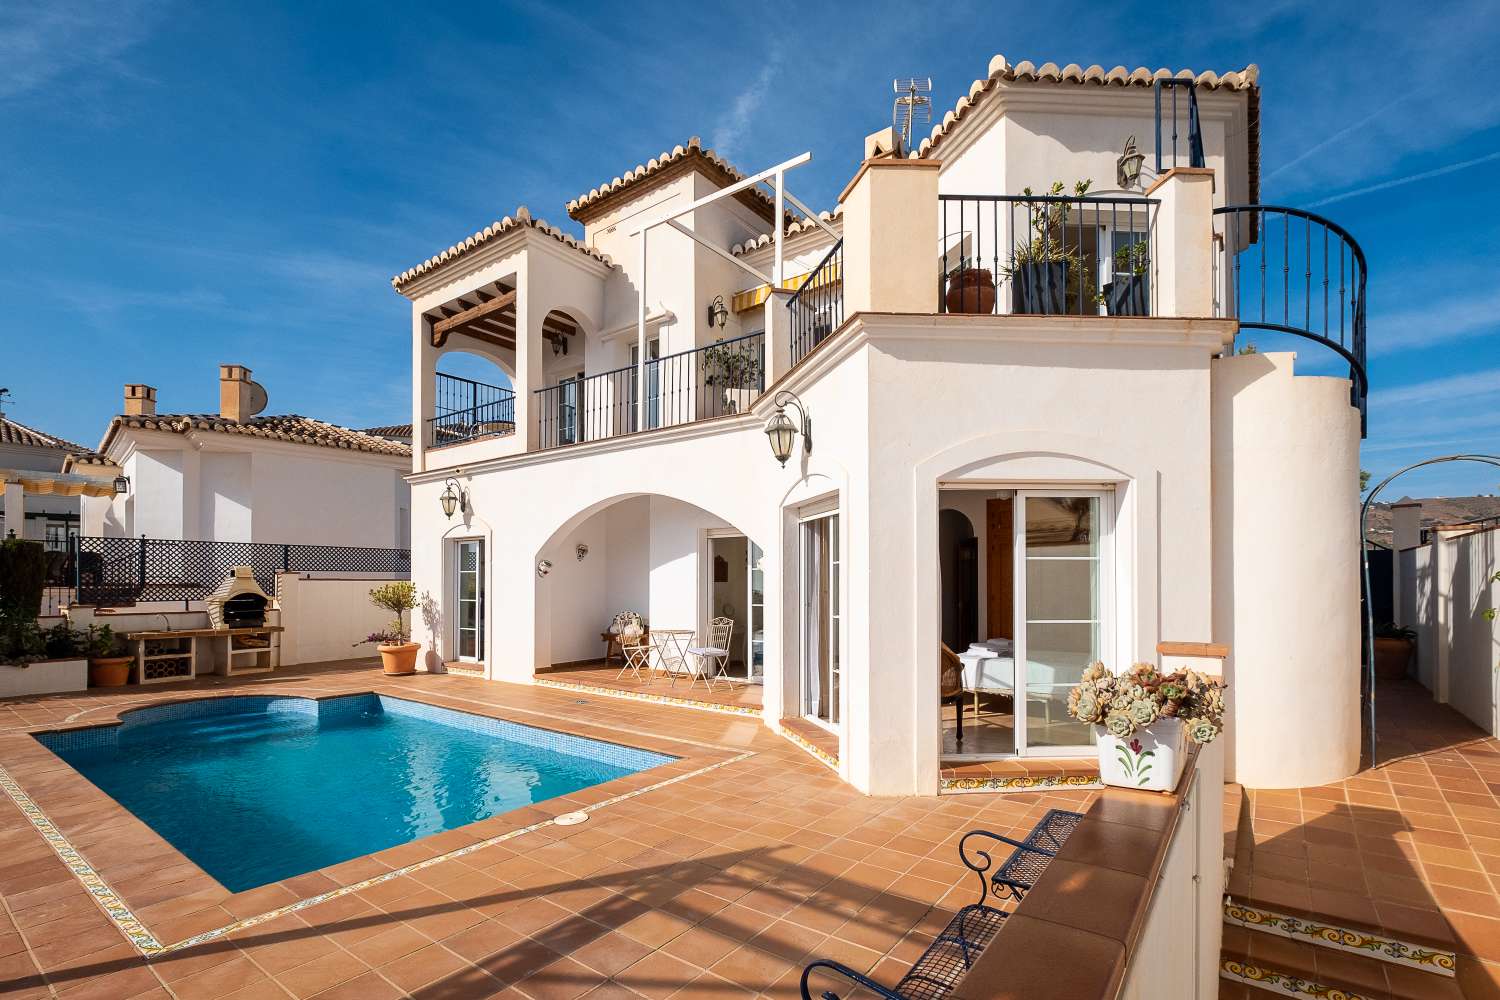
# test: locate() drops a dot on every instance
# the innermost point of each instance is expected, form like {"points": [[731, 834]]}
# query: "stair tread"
{"points": [[1353, 974]]}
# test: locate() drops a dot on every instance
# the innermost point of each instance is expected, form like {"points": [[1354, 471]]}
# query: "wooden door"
{"points": [[1000, 570]]}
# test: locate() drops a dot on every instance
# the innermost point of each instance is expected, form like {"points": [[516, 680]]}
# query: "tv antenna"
{"points": [[3, 394], [913, 105]]}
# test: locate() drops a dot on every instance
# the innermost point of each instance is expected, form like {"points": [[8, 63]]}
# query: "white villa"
{"points": [[1004, 420], [39, 502], [240, 476]]}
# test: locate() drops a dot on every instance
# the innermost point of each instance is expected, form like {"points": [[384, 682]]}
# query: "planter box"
{"points": [[44, 677], [1126, 296], [1041, 288], [1152, 759]]}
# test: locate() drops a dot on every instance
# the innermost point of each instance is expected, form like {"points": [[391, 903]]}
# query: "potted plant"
{"points": [[1127, 295], [1394, 646], [42, 661], [22, 642], [1046, 274], [970, 289], [109, 658], [398, 654], [731, 367], [1142, 718]]}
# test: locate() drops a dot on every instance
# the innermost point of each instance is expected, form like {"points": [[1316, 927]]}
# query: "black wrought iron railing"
{"points": [[1293, 272], [465, 409], [1180, 117], [112, 571], [680, 388], [817, 309], [1050, 255]]}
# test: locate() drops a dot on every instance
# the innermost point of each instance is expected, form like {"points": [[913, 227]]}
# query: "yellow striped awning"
{"points": [[752, 297]]}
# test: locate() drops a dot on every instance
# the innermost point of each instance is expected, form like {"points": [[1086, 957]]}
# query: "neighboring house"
{"points": [[1000, 418], [44, 504], [234, 476], [1435, 511]]}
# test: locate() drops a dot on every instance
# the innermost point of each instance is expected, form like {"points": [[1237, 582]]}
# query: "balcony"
{"points": [[713, 381], [467, 410]]}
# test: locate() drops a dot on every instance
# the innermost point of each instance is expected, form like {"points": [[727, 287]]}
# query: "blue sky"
{"points": [[187, 184]]}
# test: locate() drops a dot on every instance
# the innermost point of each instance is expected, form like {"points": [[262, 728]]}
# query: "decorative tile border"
{"points": [[1017, 783], [806, 744], [147, 944], [655, 699], [1283, 983], [1327, 935]]}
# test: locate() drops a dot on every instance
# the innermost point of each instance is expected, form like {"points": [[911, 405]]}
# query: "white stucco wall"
{"points": [[325, 616]]}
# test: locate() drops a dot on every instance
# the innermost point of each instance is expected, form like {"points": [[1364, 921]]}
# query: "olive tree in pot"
{"points": [[109, 657], [1048, 275], [398, 654], [732, 369], [1394, 646]]}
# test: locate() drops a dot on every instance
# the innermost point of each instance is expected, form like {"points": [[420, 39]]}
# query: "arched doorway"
{"points": [[958, 571]]}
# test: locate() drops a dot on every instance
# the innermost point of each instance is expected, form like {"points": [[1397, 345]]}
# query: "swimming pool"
{"points": [[256, 789]]}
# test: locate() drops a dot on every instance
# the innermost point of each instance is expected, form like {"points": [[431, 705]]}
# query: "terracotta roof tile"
{"points": [[792, 229], [1001, 69], [289, 427], [522, 217], [650, 168], [28, 437]]}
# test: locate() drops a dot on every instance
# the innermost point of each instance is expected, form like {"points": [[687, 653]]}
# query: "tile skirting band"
{"points": [[803, 743], [1324, 934], [1283, 983], [648, 696], [1017, 783], [146, 942]]}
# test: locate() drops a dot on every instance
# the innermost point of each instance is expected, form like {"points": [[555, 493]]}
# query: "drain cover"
{"points": [[571, 819]]}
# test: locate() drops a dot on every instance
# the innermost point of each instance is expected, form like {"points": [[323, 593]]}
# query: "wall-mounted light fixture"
{"points": [[1128, 166], [718, 312], [122, 485], [782, 433], [544, 567], [559, 342], [454, 498], [582, 550]]}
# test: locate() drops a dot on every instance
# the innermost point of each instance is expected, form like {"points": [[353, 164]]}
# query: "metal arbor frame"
{"points": [[1364, 558]]}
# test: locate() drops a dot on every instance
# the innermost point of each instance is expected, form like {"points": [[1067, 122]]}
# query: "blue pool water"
{"points": [[258, 789]]}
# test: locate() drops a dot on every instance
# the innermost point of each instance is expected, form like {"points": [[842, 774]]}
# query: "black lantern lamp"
{"points": [[782, 432], [122, 485], [454, 498], [718, 313], [1128, 166]]}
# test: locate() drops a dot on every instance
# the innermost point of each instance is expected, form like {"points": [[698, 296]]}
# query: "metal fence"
{"points": [[1051, 255], [1182, 121], [114, 571], [818, 307], [465, 409], [704, 382]]}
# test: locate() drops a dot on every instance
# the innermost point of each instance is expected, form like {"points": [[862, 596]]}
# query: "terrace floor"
{"points": [[730, 694], [716, 876]]}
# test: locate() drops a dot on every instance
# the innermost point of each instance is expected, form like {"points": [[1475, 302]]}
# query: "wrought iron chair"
{"points": [[711, 662], [635, 648], [951, 954]]}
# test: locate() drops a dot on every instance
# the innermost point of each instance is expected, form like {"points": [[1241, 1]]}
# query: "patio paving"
{"points": [[720, 875], [730, 694]]}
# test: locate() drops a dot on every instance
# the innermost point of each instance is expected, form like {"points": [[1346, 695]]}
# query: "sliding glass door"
{"points": [[820, 619]]}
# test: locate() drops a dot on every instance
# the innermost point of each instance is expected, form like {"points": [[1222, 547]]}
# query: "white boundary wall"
{"points": [[325, 616]]}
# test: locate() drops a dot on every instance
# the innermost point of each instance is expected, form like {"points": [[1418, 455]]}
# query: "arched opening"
{"points": [[569, 397], [958, 571], [694, 580]]}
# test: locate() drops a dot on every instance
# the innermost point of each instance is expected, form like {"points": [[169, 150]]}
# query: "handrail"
{"points": [[1195, 127], [1323, 252], [817, 307]]}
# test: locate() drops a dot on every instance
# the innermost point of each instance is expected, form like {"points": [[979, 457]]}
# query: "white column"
{"points": [[15, 511], [778, 334], [1182, 244], [640, 339], [778, 269], [891, 237]]}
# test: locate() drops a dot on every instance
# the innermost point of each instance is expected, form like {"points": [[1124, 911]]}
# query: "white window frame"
{"points": [[481, 597], [815, 511]]}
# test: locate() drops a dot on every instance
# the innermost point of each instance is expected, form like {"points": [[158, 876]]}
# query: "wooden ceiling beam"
{"points": [[443, 327]]}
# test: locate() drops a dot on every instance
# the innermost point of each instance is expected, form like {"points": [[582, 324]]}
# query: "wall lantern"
{"points": [[454, 498], [122, 485], [544, 567], [718, 313], [1128, 166], [582, 550], [559, 342], [782, 432]]}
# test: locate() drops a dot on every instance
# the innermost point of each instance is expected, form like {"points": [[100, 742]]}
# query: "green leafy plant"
{"points": [[397, 597], [1133, 258], [101, 642], [730, 367], [63, 642], [1125, 703], [21, 639], [1390, 630], [1048, 243], [23, 575], [1489, 613]]}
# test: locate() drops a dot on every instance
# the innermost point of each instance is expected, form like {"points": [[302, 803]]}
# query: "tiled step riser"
{"points": [[1324, 934], [1284, 984]]}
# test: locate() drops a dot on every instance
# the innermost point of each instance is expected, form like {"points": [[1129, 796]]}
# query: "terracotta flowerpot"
{"points": [[110, 671], [397, 661], [1391, 658], [971, 291]]}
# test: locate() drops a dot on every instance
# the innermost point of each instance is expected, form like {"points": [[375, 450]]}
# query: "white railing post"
{"points": [[778, 267], [640, 339]]}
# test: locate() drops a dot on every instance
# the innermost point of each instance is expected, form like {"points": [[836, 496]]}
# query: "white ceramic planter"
{"points": [[43, 677], [1151, 759]]}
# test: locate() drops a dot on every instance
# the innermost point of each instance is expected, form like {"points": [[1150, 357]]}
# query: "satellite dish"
{"points": [[255, 398]]}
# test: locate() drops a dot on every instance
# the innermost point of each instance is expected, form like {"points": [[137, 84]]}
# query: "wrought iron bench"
{"points": [[953, 951]]}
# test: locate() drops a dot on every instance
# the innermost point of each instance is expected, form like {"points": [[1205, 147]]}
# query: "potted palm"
{"points": [[1142, 718], [398, 654], [109, 659], [1394, 646], [1045, 272]]}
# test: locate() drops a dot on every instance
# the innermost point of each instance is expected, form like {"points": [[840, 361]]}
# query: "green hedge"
{"points": [[23, 575]]}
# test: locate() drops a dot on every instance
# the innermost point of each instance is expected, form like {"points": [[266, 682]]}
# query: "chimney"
{"points": [[235, 391], [140, 400]]}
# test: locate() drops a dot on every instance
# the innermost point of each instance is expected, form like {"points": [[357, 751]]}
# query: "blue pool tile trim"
{"points": [[632, 758]]}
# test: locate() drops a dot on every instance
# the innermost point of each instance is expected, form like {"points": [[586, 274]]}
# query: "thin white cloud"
{"points": [[1441, 323], [1447, 389], [1410, 179], [740, 118], [42, 44]]}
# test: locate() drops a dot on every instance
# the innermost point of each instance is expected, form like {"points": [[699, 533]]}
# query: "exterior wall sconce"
{"points": [[782, 432], [1128, 166], [122, 485], [454, 498], [544, 567], [718, 312], [559, 342], [582, 550]]}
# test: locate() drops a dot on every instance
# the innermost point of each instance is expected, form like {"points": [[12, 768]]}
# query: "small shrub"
{"points": [[23, 575]]}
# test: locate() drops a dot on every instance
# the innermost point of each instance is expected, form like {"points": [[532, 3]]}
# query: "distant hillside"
{"points": [[1435, 510]]}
